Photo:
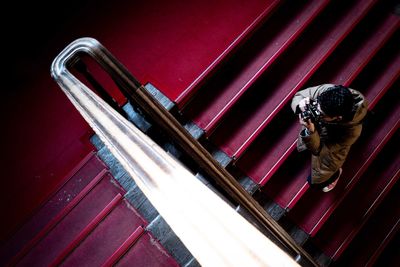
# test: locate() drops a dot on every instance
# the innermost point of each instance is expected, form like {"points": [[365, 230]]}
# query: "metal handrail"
{"points": [[136, 93]]}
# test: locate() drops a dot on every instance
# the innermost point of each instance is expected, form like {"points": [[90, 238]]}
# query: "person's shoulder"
{"points": [[328, 85], [357, 95], [318, 89], [323, 86], [354, 90]]}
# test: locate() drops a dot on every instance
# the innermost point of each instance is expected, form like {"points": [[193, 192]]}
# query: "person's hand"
{"points": [[303, 103], [308, 124]]}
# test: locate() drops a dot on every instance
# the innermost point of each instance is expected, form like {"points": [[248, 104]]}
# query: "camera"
{"points": [[311, 112]]}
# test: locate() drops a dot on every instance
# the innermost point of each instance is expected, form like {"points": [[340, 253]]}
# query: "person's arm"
{"points": [[310, 137], [299, 101], [302, 97]]}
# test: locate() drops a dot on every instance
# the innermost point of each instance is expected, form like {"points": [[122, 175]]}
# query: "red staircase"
{"points": [[87, 222], [276, 88], [231, 84], [242, 111]]}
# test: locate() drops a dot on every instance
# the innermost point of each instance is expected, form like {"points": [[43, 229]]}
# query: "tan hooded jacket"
{"points": [[331, 142]]}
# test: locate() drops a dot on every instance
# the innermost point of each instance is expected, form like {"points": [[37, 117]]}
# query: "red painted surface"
{"points": [[73, 223], [375, 83], [261, 51], [50, 214], [195, 86], [289, 184], [167, 43], [44, 140], [126, 245], [377, 238], [110, 230], [273, 147], [90, 224], [352, 215], [242, 126], [366, 149], [171, 44], [147, 252]]}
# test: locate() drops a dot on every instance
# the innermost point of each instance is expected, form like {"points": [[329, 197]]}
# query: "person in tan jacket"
{"points": [[331, 119]]}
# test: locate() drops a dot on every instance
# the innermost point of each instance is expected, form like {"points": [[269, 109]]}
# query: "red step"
{"points": [[221, 92], [362, 155], [97, 227], [147, 252], [194, 87], [360, 204], [69, 222], [286, 187], [357, 51], [102, 237], [119, 252], [271, 148], [390, 256], [77, 179], [257, 108], [291, 189], [278, 140], [376, 234]]}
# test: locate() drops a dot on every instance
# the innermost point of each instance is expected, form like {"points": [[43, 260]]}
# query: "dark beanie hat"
{"points": [[337, 101]]}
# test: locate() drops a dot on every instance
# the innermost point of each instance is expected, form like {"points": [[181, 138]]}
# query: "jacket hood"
{"points": [[361, 107]]}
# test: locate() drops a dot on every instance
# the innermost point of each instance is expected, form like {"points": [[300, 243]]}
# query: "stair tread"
{"points": [[249, 63], [272, 149], [295, 186], [372, 240], [73, 223], [357, 51], [124, 247], [390, 253], [246, 122], [146, 252], [104, 239], [355, 210], [194, 87], [286, 187], [89, 167], [366, 149]]}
